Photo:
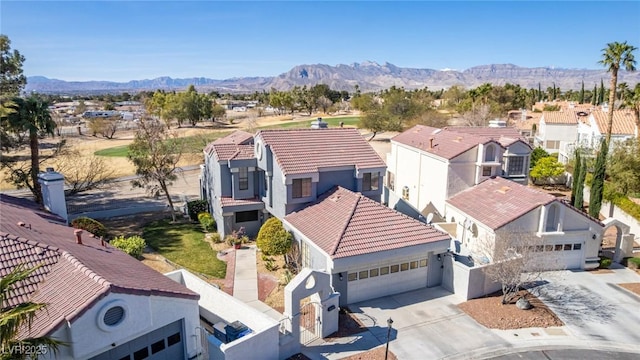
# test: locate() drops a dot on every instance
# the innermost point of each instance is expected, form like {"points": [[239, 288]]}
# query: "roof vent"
{"points": [[504, 190]]}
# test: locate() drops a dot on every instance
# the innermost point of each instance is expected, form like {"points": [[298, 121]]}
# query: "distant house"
{"points": [[369, 250], [556, 129], [498, 209], [594, 127], [428, 165], [102, 302]]}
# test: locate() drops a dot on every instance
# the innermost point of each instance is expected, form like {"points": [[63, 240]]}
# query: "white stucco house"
{"points": [[497, 209], [427, 166], [368, 249], [556, 129], [594, 126]]}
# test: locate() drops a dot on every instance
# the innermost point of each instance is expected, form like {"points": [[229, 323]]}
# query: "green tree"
{"points": [[155, 153], [273, 239], [597, 184], [582, 93], [594, 97], [547, 167], [601, 93], [537, 154], [579, 194], [613, 56], [623, 168], [29, 116], [14, 318], [218, 112], [12, 80], [576, 175]]}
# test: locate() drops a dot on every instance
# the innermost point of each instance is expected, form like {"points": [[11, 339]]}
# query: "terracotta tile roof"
{"points": [[496, 202], [73, 276], [236, 146], [343, 223], [624, 122], [446, 144], [503, 135], [300, 151], [229, 201], [560, 117]]}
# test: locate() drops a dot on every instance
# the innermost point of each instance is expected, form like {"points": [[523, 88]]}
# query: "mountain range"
{"points": [[369, 76]]}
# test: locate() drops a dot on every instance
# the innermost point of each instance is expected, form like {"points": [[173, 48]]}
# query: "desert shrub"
{"points": [[236, 237], [93, 226], [266, 257], [215, 237], [633, 263], [206, 220], [270, 265], [133, 245], [273, 239], [286, 277], [196, 207], [604, 263]]}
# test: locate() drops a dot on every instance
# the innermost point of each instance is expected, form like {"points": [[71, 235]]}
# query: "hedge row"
{"points": [[628, 206]]}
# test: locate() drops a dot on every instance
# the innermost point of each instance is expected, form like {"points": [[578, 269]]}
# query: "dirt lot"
{"points": [[489, 312], [633, 287]]}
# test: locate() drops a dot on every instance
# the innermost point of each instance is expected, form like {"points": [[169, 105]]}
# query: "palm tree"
{"points": [[613, 56], [15, 318], [32, 116], [623, 88]]}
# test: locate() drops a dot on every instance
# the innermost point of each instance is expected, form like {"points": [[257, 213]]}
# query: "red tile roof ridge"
{"points": [[347, 220], [85, 270]]}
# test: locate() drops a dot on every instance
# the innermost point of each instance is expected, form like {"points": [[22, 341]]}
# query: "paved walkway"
{"points": [[245, 282]]}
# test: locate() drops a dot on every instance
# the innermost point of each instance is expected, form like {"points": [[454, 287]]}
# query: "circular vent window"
{"points": [[114, 316]]}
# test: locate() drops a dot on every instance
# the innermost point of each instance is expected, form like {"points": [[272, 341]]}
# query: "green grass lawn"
{"points": [[192, 144], [116, 151], [184, 244], [303, 124]]}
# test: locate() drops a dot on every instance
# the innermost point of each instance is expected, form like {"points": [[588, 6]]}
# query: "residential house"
{"points": [[229, 181], [497, 209], [369, 249], [281, 171], [594, 126], [557, 128], [100, 301], [429, 165]]}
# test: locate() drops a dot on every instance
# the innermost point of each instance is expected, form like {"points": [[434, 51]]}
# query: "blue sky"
{"points": [[127, 40]]}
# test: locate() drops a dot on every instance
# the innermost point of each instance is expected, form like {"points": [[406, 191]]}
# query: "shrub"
{"points": [[286, 277], [236, 237], [196, 207], [628, 206], [633, 263], [206, 221], [90, 225], [215, 237], [273, 239], [604, 263], [270, 266], [133, 245]]}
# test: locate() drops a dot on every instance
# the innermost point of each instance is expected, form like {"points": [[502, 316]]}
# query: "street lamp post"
{"points": [[389, 325]]}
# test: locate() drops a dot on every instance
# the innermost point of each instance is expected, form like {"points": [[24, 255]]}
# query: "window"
{"points": [[404, 267], [490, 154], [548, 248], [173, 339], [363, 274], [245, 216], [558, 248], [373, 272], [243, 176], [370, 182], [405, 193], [423, 262], [413, 265], [384, 270], [395, 268], [567, 247], [306, 255], [552, 218], [301, 188], [391, 181], [157, 346], [553, 144], [352, 277], [486, 171], [141, 354], [516, 165], [577, 246]]}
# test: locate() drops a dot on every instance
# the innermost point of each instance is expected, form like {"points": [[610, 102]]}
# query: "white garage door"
{"points": [[385, 280]]}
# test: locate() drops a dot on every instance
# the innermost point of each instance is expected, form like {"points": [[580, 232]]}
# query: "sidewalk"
{"points": [[245, 283]]}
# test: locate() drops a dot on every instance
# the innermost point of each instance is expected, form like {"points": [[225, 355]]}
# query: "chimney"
{"points": [[52, 184], [430, 143], [78, 234]]}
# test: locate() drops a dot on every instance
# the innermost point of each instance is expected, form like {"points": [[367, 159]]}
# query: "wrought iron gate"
{"points": [[310, 326]]}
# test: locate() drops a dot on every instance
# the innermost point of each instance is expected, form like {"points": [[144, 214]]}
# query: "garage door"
{"points": [[166, 343], [386, 280]]}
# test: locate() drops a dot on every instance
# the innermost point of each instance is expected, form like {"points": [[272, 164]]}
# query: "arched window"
{"points": [[553, 218], [490, 153]]}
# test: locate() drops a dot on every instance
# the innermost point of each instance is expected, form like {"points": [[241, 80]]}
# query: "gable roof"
{"points": [[496, 201], [503, 135], [343, 223], [565, 117], [623, 122], [447, 144], [235, 146], [301, 151], [72, 277]]}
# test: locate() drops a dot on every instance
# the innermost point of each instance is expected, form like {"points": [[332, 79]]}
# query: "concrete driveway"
{"points": [[427, 324]]}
